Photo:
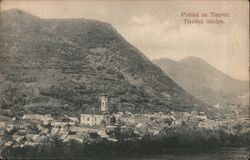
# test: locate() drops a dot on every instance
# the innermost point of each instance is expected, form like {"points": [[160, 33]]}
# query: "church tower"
{"points": [[104, 103]]}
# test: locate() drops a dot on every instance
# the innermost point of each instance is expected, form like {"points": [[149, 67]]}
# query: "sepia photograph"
{"points": [[124, 79]]}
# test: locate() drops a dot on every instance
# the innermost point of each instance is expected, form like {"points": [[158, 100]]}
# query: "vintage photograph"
{"points": [[124, 79]]}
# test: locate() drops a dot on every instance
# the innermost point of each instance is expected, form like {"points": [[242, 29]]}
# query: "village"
{"points": [[34, 129]]}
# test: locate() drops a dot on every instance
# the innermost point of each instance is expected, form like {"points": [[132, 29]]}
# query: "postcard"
{"points": [[124, 79]]}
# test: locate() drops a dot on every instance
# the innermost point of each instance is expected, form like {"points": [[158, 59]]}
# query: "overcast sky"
{"points": [[158, 30]]}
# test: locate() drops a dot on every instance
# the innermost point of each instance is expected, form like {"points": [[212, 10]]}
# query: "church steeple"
{"points": [[104, 103]]}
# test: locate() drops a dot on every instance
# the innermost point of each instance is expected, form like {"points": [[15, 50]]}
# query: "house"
{"points": [[156, 132], [149, 115], [127, 120], [58, 123], [186, 116], [217, 106], [34, 138], [10, 128], [139, 125], [112, 139], [63, 136], [72, 137], [102, 134], [32, 116], [70, 120], [18, 139], [178, 122], [118, 115], [8, 144], [2, 125], [43, 118], [194, 112], [28, 143], [1, 141], [128, 113], [74, 119], [202, 116], [22, 132], [44, 131], [207, 124], [41, 138]]}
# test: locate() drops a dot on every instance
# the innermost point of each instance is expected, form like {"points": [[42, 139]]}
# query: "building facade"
{"points": [[94, 120]]}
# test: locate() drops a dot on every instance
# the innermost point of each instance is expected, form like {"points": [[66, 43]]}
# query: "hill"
{"points": [[61, 66], [205, 81]]}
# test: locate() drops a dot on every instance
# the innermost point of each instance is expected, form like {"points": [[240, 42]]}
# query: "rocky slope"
{"points": [[63, 65], [205, 81]]}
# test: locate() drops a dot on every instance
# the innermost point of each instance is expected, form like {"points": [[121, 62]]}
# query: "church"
{"points": [[93, 119]]}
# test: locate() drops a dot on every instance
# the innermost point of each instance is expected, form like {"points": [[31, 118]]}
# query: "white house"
{"points": [[44, 118], [207, 124], [70, 120]]}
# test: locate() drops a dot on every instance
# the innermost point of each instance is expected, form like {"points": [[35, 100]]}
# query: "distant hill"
{"points": [[63, 65], [205, 81]]}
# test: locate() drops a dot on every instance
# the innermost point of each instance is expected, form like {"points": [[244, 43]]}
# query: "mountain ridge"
{"points": [[201, 79], [50, 63]]}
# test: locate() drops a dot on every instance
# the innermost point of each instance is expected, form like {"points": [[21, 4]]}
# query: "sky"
{"points": [[158, 30]]}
